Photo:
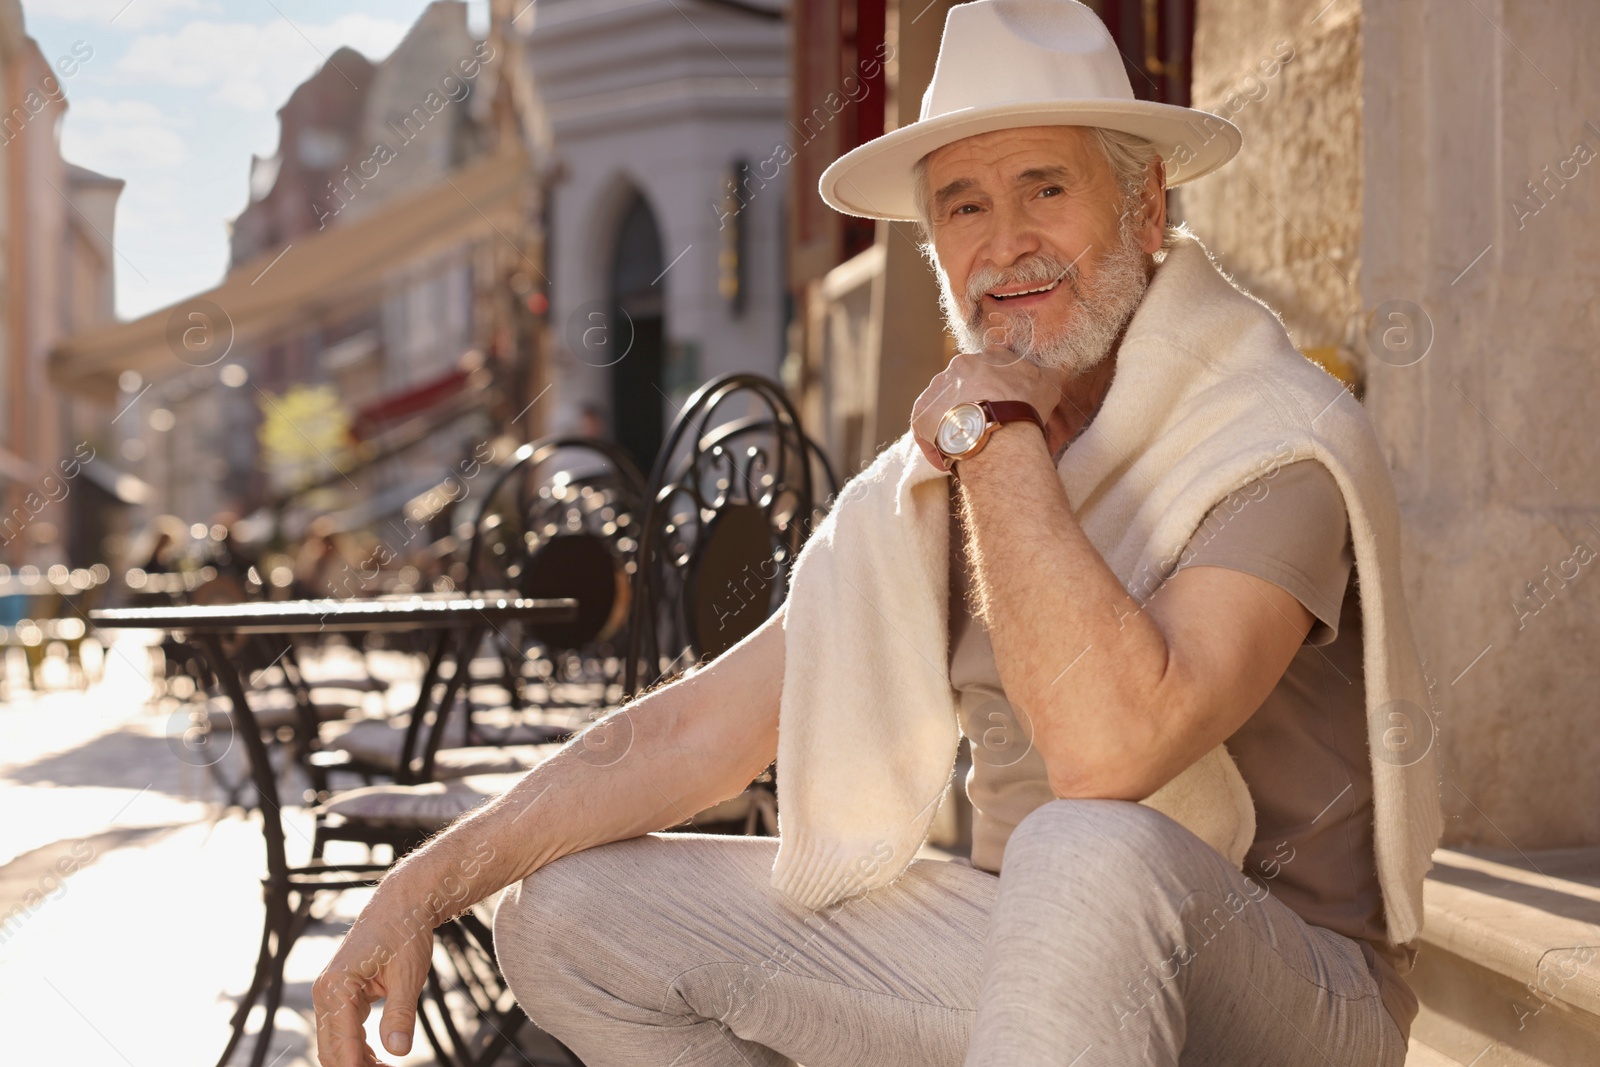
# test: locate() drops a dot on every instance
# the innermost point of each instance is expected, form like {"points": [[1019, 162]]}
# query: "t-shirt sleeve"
{"points": [[1289, 528]]}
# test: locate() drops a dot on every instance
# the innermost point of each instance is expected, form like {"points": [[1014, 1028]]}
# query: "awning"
{"points": [[312, 276], [371, 419], [393, 441]]}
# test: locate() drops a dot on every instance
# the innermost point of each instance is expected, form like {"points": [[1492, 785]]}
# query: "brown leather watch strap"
{"points": [[998, 412], [1012, 411]]}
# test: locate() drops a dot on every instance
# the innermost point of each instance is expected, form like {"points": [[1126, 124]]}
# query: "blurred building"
{"points": [[655, 262], [56, 279], [353, 138], [343, 363], [666, 219]]}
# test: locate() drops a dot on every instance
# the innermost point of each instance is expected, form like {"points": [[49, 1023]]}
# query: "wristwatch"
{"points": [[966, 428]]}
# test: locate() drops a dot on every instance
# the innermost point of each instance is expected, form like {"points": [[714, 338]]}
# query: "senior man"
{"points": [[1117, 549]]}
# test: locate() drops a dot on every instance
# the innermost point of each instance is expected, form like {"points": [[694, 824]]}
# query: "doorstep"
{"points": [[1508, 974]]}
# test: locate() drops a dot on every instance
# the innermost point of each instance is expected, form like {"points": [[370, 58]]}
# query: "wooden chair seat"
{"points": [[434, 805], [377, 742]]}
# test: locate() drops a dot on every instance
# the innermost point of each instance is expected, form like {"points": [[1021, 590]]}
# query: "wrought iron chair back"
{"points": [[562, 519], [734, 493]]}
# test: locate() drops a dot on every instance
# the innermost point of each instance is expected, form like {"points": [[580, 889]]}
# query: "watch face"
{"points": [[960, 429]]}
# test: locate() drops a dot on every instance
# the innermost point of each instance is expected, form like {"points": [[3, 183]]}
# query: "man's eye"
{"points": [[965, 209], [1050, 190]]}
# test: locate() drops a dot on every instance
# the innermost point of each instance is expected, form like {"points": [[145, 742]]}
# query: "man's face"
{"points": [[1034, 250]]}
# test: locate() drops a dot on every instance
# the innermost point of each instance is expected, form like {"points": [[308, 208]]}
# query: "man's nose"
{"points": [[1013, 235]]}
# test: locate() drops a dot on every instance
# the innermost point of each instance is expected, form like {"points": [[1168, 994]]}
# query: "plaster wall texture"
{"points": [[1491, 434]]}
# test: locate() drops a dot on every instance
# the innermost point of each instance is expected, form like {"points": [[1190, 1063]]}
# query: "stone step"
{"points": [[1509, 970], [1420, 1055]]}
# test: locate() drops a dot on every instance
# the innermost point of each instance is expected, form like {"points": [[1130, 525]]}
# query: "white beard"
{"points": [[1104, 307]]}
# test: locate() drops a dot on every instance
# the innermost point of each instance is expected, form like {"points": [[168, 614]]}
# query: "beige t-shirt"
{"points": [[1303, 753]]}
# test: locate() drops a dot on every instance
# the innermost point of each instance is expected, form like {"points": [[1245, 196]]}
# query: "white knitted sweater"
{"points": [[1209, 394]]}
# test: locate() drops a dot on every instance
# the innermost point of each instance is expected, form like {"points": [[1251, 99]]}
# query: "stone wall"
{"points": [[1284, 218], [1420, 185]]}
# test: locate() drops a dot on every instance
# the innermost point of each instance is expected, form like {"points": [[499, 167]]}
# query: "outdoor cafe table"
{"points": [[470, 616], [465, 616], [403, 612]]}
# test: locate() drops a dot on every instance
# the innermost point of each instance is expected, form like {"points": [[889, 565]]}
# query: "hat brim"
{"points": [[874, 180]]}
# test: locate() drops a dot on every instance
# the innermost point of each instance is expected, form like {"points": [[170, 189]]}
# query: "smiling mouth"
{"points": [[1045, 288]]}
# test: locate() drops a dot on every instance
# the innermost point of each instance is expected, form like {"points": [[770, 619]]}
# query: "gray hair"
{"points": [[1128, 156]]}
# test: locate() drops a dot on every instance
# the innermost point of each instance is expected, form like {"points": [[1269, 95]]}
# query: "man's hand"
{"points": [[382, 958], [994, 374]]}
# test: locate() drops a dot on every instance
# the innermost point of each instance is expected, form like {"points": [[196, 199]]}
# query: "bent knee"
{"points": [[539, 924], [1111, 837], [558, 892]]}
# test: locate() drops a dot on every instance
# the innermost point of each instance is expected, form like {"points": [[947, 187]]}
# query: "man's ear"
{"points": [[1153, 205]]}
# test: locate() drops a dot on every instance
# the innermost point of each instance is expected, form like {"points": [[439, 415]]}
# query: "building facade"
{"points": [[56, 278], [666, 220], [354, 139]]}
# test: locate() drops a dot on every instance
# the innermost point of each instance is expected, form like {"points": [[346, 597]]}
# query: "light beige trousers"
{"points": [[1112, 937]]}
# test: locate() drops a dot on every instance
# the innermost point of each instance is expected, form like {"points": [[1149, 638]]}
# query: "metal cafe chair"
{"points": [[749, 479], [285, 710], [289, 890], [734, 494], [560, 519]]}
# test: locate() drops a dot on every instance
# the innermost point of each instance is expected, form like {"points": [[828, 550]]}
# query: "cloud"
{"points": [[249, 66], [134, 132], [125, 15], [96, 109]]}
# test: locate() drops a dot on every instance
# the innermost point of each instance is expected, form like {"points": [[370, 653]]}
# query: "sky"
{"points": [[174, 97]]}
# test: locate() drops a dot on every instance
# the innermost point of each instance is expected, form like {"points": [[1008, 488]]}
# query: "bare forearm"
{"points": [[647, 766], [1075, 653]]}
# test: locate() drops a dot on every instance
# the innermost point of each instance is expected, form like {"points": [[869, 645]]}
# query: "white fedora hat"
{"points": [[1005, 64]]}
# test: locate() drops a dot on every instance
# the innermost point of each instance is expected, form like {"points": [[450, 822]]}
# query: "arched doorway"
{"points": [[638, 322]]}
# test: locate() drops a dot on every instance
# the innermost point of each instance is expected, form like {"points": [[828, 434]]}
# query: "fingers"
{"points": [[939, 391], [403, 986], [931, 453], [342, 1002]]}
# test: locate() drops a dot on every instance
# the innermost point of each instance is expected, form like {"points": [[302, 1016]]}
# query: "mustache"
{"points": [[1040, 268]]}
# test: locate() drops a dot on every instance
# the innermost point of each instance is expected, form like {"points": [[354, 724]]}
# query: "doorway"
{"points": [[638, 324]]}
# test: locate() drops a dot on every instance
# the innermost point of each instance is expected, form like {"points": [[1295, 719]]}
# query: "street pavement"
{"points": [[130, 899]]}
